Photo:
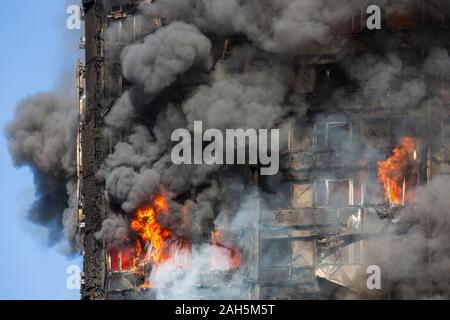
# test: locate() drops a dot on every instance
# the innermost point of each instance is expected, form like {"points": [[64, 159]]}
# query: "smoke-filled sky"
{"points": [[34, 53]]}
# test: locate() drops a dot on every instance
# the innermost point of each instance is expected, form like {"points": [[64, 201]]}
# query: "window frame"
{"points": [[326, 146], [351, 197]]}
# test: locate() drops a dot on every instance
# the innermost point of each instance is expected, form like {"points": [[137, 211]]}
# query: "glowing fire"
{"points": [[154, 245], [150, 232], [147, 285], [398, 173]]}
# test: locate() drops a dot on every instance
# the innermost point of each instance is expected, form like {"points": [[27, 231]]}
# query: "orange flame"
{"points": [[154, 245], [149, 230], [147, 285], [399, 172]]}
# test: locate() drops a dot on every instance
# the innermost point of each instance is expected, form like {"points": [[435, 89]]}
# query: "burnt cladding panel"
{"points": [[92, 188]]}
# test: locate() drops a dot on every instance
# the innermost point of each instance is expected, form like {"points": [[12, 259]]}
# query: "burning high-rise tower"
{"points": [[363, 117]]}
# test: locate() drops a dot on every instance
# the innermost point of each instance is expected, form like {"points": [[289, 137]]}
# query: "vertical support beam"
{"points": [[81, 100], [94, 266]]}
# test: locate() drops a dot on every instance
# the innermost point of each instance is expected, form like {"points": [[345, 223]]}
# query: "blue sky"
{"points": [[36, 49]]}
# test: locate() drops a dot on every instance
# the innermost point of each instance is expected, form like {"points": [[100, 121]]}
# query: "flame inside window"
{"points": [[150, 231], [398, 173], [153, 245]]}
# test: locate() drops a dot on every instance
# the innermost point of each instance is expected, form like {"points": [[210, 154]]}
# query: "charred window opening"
{"points": [[333, 193], [334, 136], [338, 193], [227, 50], [295, 135], [349, 22], [323, 80], [374, 194], [286, 136], [402, 15], [330, 77], [115, 7], [276, 253], [375, 133], [445, 10], [276, 192], [305, 81], [339, 136], [403, 127]]}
